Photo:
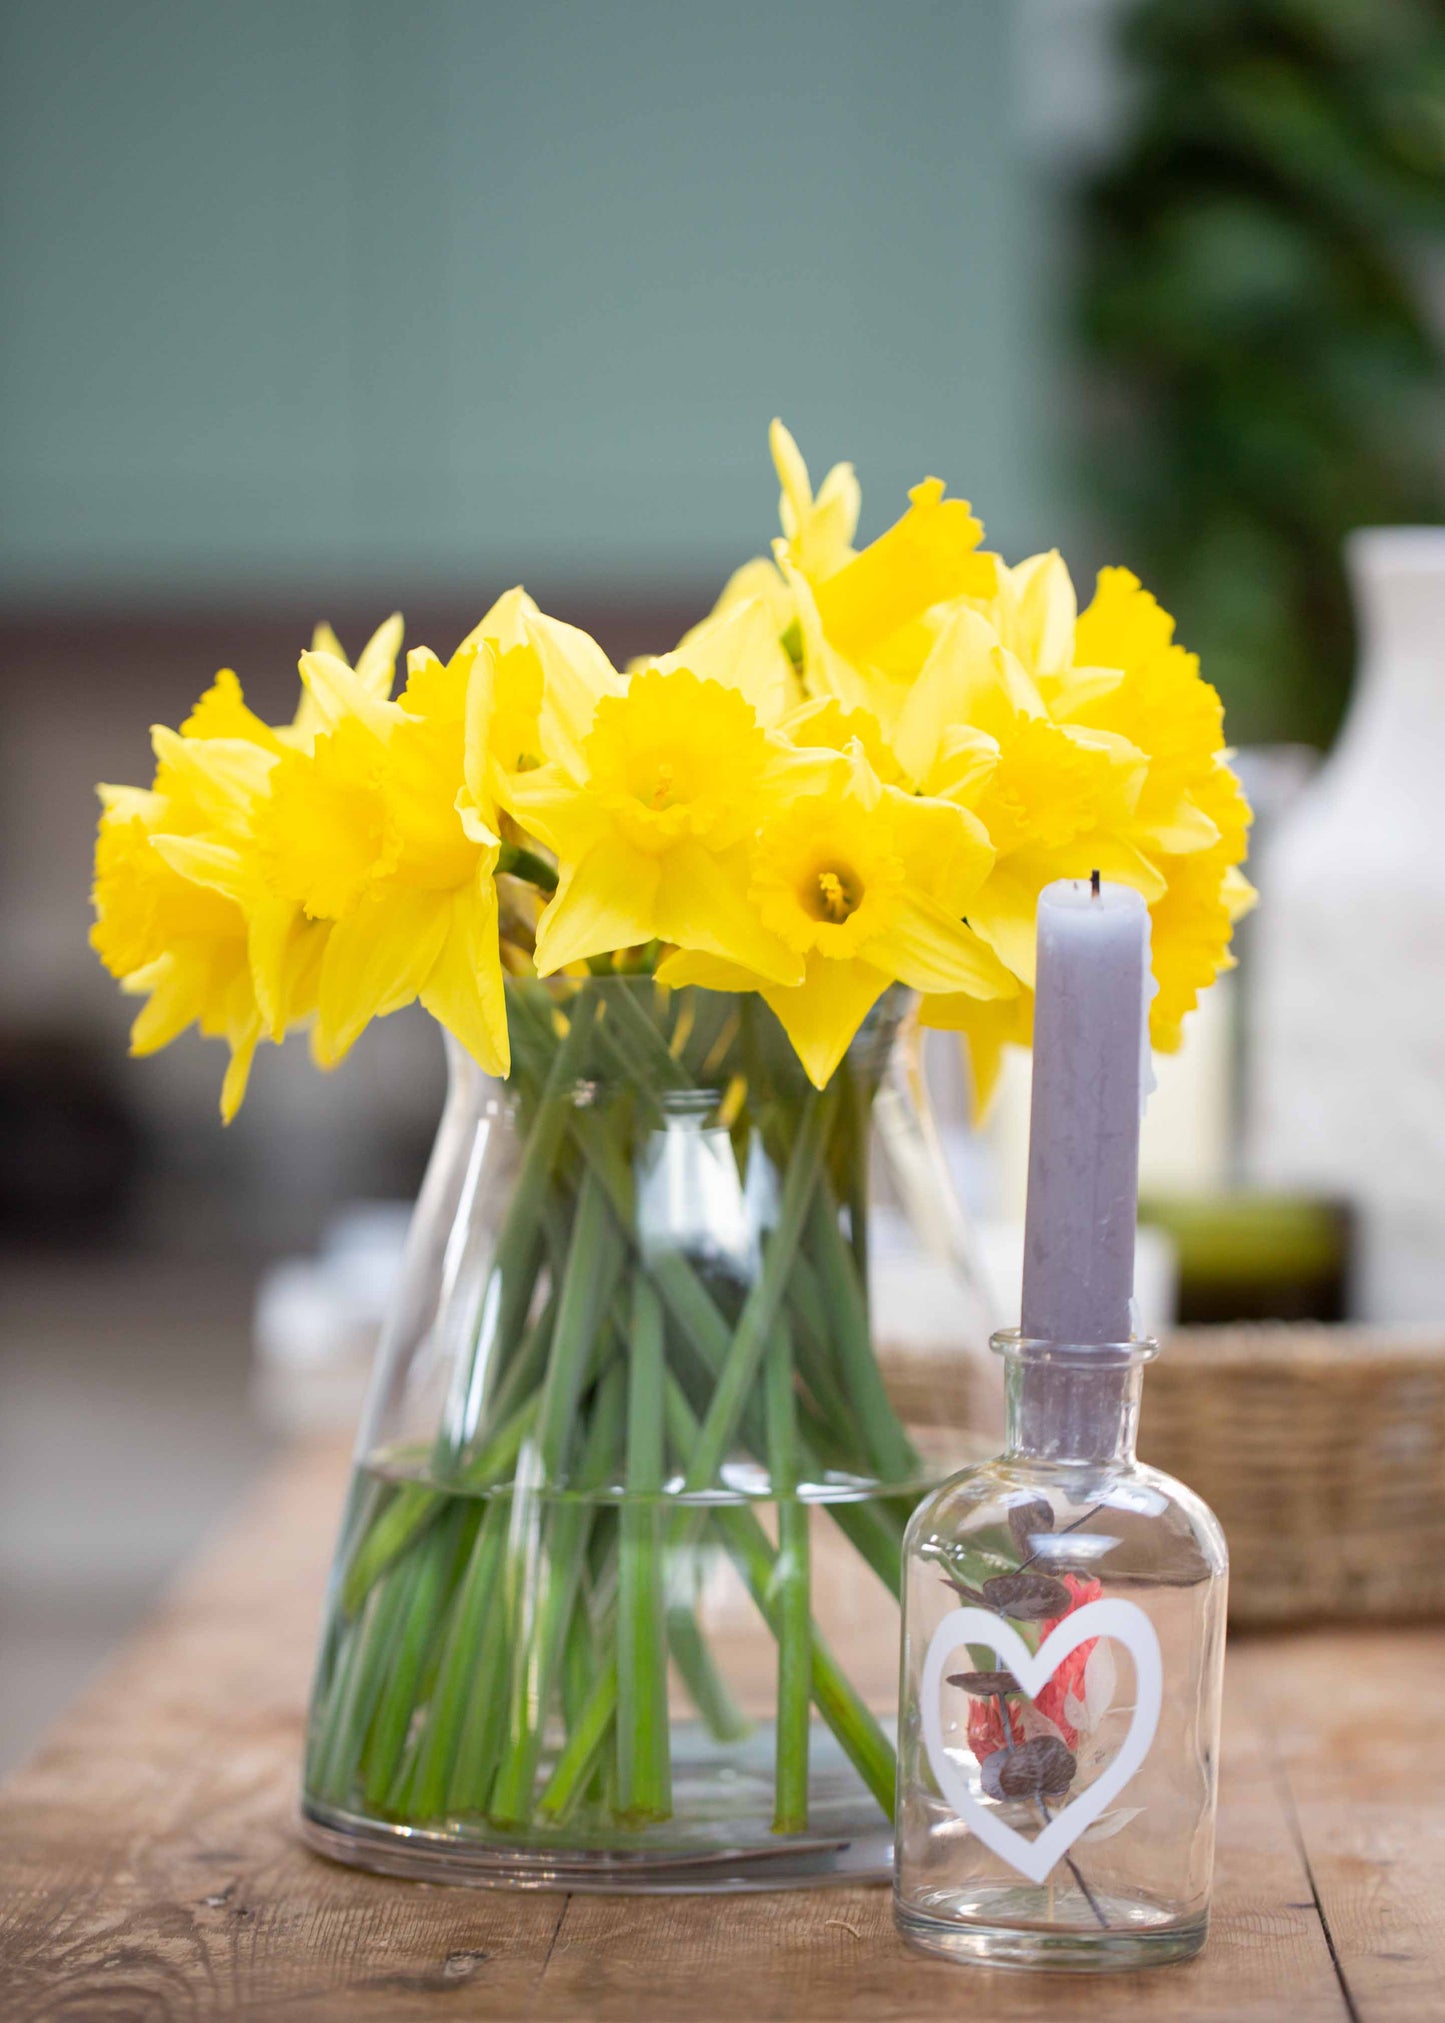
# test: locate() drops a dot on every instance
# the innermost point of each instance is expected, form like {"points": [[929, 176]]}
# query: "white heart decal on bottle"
{"points": [[1127, 1623]]}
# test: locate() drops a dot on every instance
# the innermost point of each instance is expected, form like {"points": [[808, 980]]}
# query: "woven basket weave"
{"points": [[1322, 1452], [1320, 1449]]}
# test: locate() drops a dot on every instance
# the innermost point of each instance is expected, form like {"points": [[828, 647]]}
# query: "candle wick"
{"points": [[1094, 883]]}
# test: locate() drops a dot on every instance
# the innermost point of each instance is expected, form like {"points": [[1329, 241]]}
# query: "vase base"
{"points": [[798, 1862], [1137, 1935]]}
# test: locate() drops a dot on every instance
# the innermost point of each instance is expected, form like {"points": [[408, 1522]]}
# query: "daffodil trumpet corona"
{"points": [[832, 804]]}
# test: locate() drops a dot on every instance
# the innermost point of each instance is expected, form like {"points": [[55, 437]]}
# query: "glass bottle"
{"points": [[1063, 1645]]}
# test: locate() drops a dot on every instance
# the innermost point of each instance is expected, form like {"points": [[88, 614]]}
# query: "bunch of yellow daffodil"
{"points": [[860, 769]]}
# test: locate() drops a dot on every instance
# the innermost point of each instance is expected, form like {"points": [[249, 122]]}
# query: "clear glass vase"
{"points": [[1063, 1651], [615, 1603]]}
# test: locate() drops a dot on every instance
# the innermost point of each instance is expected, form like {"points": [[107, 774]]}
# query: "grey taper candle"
{"points": [[1089, 1058]]}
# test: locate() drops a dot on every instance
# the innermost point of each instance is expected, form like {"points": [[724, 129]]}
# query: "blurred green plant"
{"points": [[1256, 283]]}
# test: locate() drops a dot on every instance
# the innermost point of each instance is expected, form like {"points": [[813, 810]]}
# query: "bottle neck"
{"points": [[1397, 576], [1072, 1406]]}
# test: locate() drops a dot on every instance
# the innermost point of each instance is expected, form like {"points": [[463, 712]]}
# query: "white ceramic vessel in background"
{"points": [[1348, 988]]}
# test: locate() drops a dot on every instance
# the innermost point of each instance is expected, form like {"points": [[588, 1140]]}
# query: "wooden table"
{"points": [[150, 1869]]}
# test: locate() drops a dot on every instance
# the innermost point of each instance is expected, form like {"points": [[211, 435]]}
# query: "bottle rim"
{"points": [[1014, 1345]]}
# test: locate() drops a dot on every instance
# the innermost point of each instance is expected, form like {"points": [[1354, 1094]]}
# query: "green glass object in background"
{"points": [[1256, 275]]}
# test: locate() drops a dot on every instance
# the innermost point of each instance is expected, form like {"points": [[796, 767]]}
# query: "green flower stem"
{"points": [[542, 1617], [475, 1687], [520, 863], [329, 1724], [415, 1506], [791, 1594], [358, 1686], [578, 1667], [580, 1757], [469, 1620], [520, 1246], [860, 1378], [463, 1662], [416, 1630], [863, 1741], [594, 1263], [856, 1109], [706, 1687], [763, 1303], [644, 1779]]}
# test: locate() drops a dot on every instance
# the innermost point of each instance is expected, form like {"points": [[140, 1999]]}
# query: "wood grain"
{"points": [[150, 1870]]}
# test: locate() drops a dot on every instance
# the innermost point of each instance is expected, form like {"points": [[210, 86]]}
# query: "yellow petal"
{"points": [[221, 777], [926, 558], [222, 713], [739, 648], [377, 959], [549, 804], [606, 902], [825, 670], [708, 972], [985, 1029], [759, 578], [1183, 829], [702, 903], [959, 670], [505, 624], [220, 866], [1044, 610], [823, 1013], [465, 991], [819, 531], [176, 984], [1238, 895], [284, 949], [376, 662], [1005, 914], [928, 949], [339, 695], [944, 849], [238, 1071], [576, 674]]}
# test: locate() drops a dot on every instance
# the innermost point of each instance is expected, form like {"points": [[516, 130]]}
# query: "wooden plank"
{"points": [[149, 1865], [1356, 1722], [823, 1955]]}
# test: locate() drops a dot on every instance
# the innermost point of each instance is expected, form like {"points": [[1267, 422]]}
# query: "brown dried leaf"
{"points": [[984, 1685], [1026, 1520], [1027, 1597], [1044, 1766]]}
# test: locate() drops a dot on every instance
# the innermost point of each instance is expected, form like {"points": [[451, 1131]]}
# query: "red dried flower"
{"points": [[985, 1729]]}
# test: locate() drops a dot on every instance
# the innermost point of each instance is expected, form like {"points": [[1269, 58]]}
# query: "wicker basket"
{"points": [[1321, 1450]]}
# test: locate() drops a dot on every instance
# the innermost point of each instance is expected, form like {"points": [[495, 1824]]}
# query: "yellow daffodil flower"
{"points": [[1170, 821], [818, 533], [174, 872], [653, 825], [364, 831], [974, 728], [861, 768], [867, 886]]}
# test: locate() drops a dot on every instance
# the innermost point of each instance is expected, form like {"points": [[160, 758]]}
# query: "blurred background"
{"points": [[314, 311]]}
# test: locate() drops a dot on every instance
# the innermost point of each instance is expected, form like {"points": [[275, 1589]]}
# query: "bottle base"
{"points": [[1134, 1934]]}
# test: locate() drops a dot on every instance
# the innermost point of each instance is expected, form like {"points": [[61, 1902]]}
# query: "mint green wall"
{"points": [[306, 292]]}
